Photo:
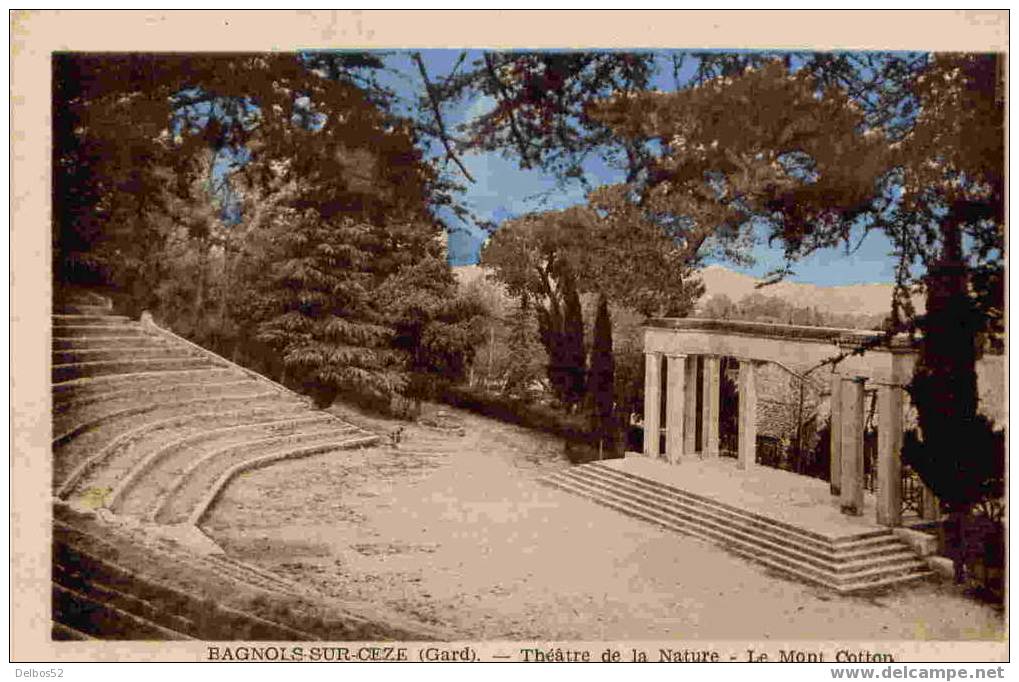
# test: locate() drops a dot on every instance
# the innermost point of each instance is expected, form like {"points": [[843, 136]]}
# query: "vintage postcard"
{"points": [[509, 337]]}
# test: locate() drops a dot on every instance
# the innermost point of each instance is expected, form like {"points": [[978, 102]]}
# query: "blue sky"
{"points": [[503, 190]]}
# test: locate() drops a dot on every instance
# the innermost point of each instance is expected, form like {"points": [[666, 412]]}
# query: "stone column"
{"points": [[711, 397], [747, 415], [835, 435], [690, 406], [852, 446], [675, 404], [889, 459], [652, 403]]}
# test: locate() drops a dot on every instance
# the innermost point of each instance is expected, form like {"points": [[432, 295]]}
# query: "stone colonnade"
{"points": [[847, 399], [847, 417], [679, 422], [677, 347]]}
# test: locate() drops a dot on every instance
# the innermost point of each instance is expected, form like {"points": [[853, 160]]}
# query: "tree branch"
{"points": [[517, 136], [437, 112]]}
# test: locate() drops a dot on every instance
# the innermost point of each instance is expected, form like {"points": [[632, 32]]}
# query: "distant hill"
{"points": [[852, 299]]}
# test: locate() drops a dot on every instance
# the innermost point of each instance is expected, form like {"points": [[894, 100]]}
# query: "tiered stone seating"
{"points": [[850, 562], [151, 428], [97, 598], [146, 422]]}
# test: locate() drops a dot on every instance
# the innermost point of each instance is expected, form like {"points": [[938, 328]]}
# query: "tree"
{"points": [[553, 258], [804, 165], [312, 303], [523, 364], [527, 256], [273, 185], [569, 355], [436, 327], [601, 382], [953, 225], [719, 307], [819, 159], [540, 107]]}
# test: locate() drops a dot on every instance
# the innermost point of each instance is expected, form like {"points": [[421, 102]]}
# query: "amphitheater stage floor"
{"points": [[790, 498]]}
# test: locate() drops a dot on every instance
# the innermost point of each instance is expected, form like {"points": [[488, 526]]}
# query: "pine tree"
{"points": [[436, 328], [313, 304]]}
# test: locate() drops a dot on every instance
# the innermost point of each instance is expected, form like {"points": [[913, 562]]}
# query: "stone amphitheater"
{"points": [[148, 430]]}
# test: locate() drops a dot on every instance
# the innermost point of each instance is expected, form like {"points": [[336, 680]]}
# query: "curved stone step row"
{"points": [[107, 354], [847, 564], [177, 361], [104, 600], [101, 620], [73, 297], [63, 633], [86, 387], [252, 575], [83, 331], [72, 578], [119, 340], [90, 414], [102, 560], [207, 481], [149, 425], [214, 384], [155, 473], [99, 415], [117, 444], [104, 319], [218, 564], [82, 308]]}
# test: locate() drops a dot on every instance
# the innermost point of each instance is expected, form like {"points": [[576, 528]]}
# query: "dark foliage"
{"points": [[601, 379]]}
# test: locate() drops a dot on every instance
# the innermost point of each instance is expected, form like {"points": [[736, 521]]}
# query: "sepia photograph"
{"points": [[391, 352]]}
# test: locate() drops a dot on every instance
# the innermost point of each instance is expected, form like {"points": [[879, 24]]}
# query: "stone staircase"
{"points": [[847, 563]]}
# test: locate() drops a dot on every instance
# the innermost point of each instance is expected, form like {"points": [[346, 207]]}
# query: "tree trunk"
{"points": [[957, 542]]}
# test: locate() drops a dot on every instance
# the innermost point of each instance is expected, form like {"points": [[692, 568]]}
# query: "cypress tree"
{"points": [[574, 356], [601, 379]]}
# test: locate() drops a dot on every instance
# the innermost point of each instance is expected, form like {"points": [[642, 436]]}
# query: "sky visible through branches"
{"points": [[502, 190]]}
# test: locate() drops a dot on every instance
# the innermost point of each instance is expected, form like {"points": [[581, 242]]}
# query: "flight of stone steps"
{"points": [[846, 564], [148, 429]]}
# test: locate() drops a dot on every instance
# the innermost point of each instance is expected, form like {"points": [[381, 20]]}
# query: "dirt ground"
{"points": [[456, 532]]}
